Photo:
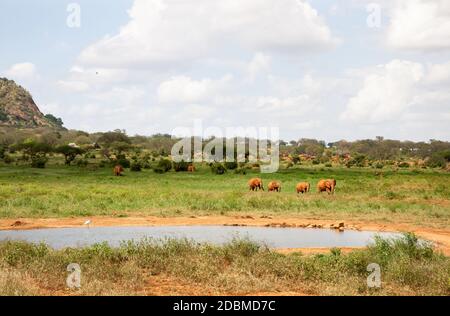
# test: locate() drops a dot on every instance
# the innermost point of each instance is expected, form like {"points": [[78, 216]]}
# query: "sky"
{"points": [[322, 69]]}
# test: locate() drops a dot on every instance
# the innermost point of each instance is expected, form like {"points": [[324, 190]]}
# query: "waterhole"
{"points": [[271, 236]]}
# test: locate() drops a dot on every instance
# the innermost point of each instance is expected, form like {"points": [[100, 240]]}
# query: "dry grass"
{"points": [[240, 267]]}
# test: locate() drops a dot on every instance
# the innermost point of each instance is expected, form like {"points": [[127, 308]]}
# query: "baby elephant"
{"points": [[327, 185], [255, 184], [118, 170], [274, 186], [302, 187]]}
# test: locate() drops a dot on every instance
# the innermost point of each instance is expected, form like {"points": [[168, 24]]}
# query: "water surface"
{"points": [[271, 236]]}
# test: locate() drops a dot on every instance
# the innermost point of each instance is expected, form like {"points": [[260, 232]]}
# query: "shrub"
{"points": [[437, 160], [218, 168], [240, 170], [81, 162], [328, 165], [123, 161], [106, 164], [136, 166], [39, 161], [403, 164], [231, 165], [289, 164], [316, 161], [180, 166], [8, 159], [378, 165], [69, 152], [163, 166]]}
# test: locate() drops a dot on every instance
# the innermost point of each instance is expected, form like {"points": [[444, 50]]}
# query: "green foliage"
{"points": [[81, 163], [8, 159], [439, 159], [231, 165], [36, 151], [163, 166], [181, 166], [69, 152], [218, 168], [38, 161], [378, 165], [55, 120], [3, 116], [241, 170], [136, 166], [403, 164], [123, 161], [107, 139]]}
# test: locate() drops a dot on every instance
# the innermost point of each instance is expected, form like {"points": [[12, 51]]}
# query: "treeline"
{"points": [[36, 144]]}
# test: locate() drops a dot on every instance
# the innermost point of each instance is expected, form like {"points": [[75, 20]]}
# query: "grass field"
{"points": [[240, 267], [419, 197]]}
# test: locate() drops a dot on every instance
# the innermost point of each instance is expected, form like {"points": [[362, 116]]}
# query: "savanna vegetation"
{"points": [[408, 267], [47, 173], [73, 177]]}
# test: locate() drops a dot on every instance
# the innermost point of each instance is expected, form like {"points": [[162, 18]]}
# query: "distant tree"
{"points": [[108, 138], [36, 151], [56, 120], [69, 152]]}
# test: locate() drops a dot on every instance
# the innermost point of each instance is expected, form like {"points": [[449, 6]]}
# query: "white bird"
{"points": [[87, 222]]}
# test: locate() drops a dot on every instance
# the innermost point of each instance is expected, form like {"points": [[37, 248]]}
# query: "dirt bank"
{"points": [[440, 237]]}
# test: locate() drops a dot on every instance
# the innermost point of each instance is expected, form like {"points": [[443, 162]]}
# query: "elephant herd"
{"points": [[326, 185], [256, 184]]}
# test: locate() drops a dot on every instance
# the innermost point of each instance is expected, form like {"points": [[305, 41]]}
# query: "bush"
{"points": [[328, 165], [316, 161], [106, 164], [39, 161], [231, 165], [403, 164], [164, 165], [289, 164], [136, 166], [81, 162], [8, 159], [218, 168], [378, 165], [436, 161], [123, 161], [180, 166], [240, 170]]}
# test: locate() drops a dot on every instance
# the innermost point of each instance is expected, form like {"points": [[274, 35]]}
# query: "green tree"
{"points": [[69, 152]]}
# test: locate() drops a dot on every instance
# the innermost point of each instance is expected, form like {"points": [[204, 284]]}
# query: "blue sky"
{"points": [[312, 68]]}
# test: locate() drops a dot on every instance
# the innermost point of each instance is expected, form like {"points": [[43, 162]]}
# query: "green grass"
{"points": [[419, 197], [408, 267]]}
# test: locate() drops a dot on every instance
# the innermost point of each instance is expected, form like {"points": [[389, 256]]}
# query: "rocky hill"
{"points": [[17, 108]]}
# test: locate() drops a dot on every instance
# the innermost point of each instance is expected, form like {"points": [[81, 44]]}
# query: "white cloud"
{"points": [[73, 86], [183, 89], [167, 32], [397, 90], [22, 71], [259, 63], [420, 25]]}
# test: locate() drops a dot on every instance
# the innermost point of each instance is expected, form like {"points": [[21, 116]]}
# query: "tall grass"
{"points": [[239, 267]]}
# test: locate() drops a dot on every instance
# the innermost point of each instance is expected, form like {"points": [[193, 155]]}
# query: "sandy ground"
{"points": [[440, 237]]}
